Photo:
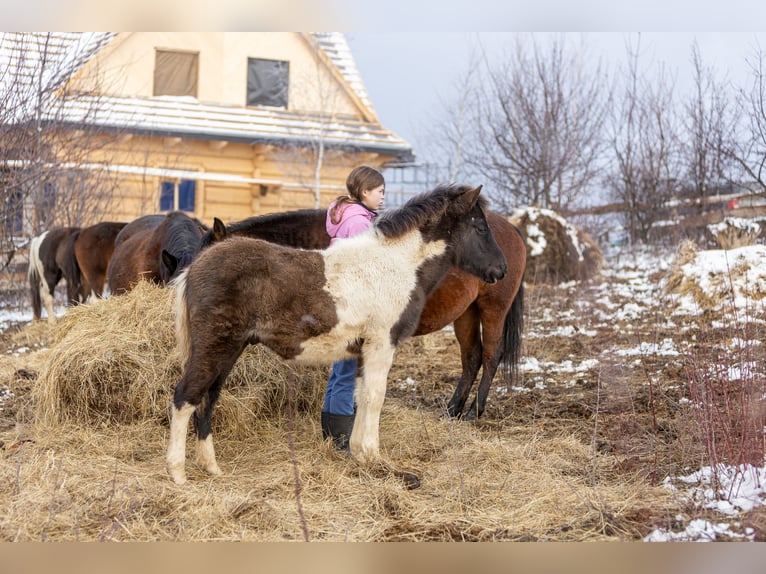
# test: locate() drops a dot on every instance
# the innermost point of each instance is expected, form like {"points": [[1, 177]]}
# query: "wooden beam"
{"points": [[218, 145]]}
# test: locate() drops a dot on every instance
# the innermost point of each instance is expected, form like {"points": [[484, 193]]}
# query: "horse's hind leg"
{"points": [[492, 332], [469, 337], [47, 290], [203, 426], [203, 377], [176, 454]]}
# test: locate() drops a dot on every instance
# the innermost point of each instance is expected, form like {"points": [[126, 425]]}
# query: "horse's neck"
{"points": [[428, 261]]}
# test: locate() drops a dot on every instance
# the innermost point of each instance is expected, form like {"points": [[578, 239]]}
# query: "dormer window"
{"points": [[175, 73], [267, 82]]}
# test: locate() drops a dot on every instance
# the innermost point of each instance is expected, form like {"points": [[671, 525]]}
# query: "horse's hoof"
{"points": [[410, 480], [453, 413], [177, 475]]}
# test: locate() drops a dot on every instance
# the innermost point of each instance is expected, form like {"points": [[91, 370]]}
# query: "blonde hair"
{"points": [[362, 178]]}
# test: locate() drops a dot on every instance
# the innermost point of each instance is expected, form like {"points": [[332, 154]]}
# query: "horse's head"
{"points": [[473, 246]]}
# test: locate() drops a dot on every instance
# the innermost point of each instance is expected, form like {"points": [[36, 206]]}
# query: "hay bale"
{"points": [[556, 251], [114, 361], [717, 277], [735, 232]]}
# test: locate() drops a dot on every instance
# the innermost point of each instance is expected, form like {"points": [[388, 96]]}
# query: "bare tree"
{"points": [[645, 148], [710, 127], [750, 150], [538, 125], [45, 178], [448, 132]]}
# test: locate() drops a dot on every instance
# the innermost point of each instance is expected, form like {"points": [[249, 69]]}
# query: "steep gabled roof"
{"points": [[42, 62]]}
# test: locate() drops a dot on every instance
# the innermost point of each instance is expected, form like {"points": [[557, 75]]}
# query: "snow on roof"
{"points": [[42, 62], [65, 52], [186, 116], [336, 47]]}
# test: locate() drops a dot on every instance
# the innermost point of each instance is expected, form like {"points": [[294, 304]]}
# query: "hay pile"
{"points": [[115, 361], [557, 252], [717, 278], [735, 232]]}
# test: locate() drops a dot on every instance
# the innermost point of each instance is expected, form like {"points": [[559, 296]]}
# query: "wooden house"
{"points": [[218, 124]]}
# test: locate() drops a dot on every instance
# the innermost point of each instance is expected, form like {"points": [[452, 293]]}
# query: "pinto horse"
{"points": [[47, 260], [88, 253], [306, 306], [488, 318], [153, 247]]}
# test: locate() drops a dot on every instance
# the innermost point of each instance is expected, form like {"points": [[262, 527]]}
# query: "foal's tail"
{"points": [[36, 274], [183, 342], [513, 328]]}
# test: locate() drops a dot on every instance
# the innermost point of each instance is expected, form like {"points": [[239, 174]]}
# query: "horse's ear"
{"points": [[170, 261], [219, 230], [472, 196]]}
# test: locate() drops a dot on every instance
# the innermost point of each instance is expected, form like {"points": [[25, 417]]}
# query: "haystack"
{"points": [[556, 251], [114, 361], [735, 232], [715, 278]]}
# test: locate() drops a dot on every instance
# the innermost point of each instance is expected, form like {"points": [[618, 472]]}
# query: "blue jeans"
{"points": [[339, 396]]}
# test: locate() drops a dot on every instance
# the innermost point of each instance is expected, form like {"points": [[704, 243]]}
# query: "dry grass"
{"points": [[86, 459]]}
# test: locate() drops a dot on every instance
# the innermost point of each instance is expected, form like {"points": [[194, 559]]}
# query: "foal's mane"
{"points": [[421, 209]]}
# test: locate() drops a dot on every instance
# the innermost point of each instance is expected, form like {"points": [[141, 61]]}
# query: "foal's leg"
{"points": [[200, 380], [365, 437], [469, 337], [203, 426]]}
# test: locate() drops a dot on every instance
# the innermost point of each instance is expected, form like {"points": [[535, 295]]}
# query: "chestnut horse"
{"points": [[488, 318], [360, 297], [88, 253], [47, 260], [153, 247]]}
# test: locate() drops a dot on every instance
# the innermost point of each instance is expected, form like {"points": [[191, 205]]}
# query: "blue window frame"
{"points": [[178, 195], [186, 195]]}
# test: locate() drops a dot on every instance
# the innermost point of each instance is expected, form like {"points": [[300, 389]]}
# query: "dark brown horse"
{"points": [[88, 252], [153, 247], [488, 318], [306, 306], [47, 259]]}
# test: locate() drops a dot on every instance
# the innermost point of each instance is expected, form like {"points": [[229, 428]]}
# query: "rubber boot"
{"points": [[338, 427]]}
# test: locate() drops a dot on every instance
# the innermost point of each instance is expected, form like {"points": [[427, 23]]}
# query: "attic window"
{"points": [[175, 73], [267, 82]]}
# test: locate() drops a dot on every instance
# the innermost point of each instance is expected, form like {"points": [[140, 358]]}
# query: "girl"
{"points": [[347, 216]]}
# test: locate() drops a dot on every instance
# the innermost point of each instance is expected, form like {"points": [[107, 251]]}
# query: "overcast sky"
{"points": [[411, 75]]}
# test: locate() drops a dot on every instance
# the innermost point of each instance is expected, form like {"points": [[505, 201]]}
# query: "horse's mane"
{"points": [[275, 218], [421, 209], [182, 234]]}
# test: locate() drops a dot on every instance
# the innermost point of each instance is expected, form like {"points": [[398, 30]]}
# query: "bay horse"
{"points": [[360, 297], [88, 253], [153, 247], [488, 318], [47, 259]]}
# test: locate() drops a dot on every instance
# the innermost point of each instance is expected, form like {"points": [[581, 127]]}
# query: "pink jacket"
{"points": [[354, 218]]}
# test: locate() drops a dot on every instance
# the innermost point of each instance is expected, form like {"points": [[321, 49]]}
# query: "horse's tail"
{"points": [[513, 329], [36, 274], [71, 271], [183, 342]]}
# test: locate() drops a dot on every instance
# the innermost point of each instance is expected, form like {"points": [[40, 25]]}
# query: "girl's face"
{"points": [[373, 198]]}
